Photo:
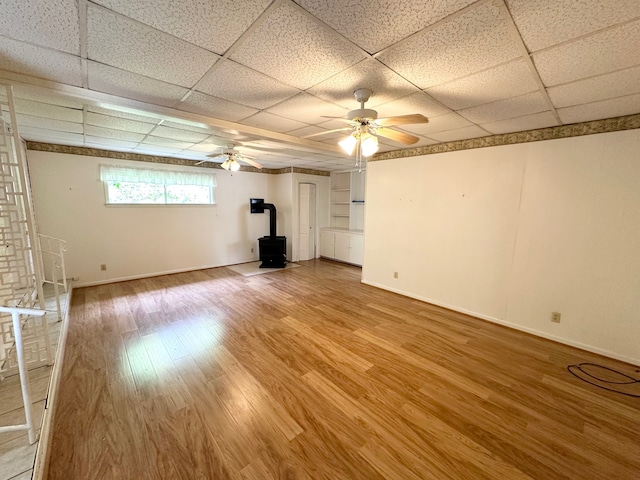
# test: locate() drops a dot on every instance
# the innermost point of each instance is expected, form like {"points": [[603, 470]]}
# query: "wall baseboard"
{"points": [[157, 274], [515, 326]]}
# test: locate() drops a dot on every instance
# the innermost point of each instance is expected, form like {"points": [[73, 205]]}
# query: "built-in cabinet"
{"points": [[343, 245], [344, 240]]}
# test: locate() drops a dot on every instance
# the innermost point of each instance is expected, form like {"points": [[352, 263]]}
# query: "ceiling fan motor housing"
{"points": [[362, 113]]}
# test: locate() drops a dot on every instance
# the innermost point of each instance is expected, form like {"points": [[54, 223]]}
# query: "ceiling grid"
{"points": [[192, 78]]}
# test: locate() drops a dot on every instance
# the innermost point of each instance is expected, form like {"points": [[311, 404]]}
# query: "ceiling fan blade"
{"points": [[341, 119], [402, 120], [250, 162], [397, 136], [328, 131]]}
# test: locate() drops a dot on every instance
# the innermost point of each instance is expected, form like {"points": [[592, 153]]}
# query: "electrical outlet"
{"points": [[395, 274], [103, 267], [555, 317]]}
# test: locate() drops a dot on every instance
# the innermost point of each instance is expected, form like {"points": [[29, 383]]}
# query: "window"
{"points": [[127, 185]]}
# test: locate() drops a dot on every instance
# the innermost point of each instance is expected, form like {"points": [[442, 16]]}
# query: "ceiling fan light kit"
{"points": [[231, 164]]}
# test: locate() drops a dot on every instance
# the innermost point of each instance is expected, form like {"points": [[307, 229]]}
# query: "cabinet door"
{"points": [[341, 246], [326, 244], [356, 250]]}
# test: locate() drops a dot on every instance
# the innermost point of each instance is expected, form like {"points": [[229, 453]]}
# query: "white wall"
{"points": [[512, 233], [142, 240]]}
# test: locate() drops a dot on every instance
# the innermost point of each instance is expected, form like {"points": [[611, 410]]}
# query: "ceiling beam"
{"points": [[114, 102]]}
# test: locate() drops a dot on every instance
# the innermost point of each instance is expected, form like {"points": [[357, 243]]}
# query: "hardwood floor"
{"points": [[308, 374]]}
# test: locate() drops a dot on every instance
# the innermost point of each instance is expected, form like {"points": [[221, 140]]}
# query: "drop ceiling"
{"points": [[182, 79]]}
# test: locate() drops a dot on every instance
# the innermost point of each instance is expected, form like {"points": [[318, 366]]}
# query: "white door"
{"points": [[307, 222]]}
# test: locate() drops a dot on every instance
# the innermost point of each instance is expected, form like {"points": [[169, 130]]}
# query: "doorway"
{"points": [[307, 220]]}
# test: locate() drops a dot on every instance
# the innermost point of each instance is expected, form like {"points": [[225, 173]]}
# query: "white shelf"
{"points": [[347, 198]]}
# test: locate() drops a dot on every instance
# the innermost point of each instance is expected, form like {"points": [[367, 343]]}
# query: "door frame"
{"points": [[296, 234]]}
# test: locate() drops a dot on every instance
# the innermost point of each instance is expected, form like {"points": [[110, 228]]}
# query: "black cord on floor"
{"points": [[580, 368]]}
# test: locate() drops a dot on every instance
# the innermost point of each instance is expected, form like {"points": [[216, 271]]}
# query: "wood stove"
{"points": [[273, 249]]}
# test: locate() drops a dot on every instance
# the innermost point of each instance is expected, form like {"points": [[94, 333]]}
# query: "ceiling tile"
{"points": [[49, 111], [109, 142], [617, 84], [190, 155], [35, 134], [131, 46], [48, 123], [207, 147], [473, 41], [376, 24], [107, 79], [111, 146], [385, 84], [211, 25], [510, 108], [604, 109], [449, 121], [459, 134], [309, 130], [53, 24], [113, 134], [308, 108], [188, 126], [215, 107], [165, 142], [178, 134], [146, 149], [272, 122], [117, 123], [39, 62], [27, 92], [527, 122], [240, 84], [543, 23], [603, 52], [280, 48], [504, 81], [418, 102], [114, 111]]}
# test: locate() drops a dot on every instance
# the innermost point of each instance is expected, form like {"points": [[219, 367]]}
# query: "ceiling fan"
{"points": [[365, 128], [231, 159]]}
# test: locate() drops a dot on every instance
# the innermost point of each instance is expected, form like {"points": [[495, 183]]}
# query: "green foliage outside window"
{"points": [[154, 194]]}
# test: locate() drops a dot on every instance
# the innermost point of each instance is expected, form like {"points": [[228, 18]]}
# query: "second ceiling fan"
{"points": [[231, 159]]}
